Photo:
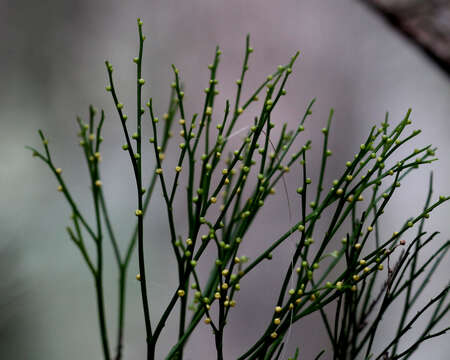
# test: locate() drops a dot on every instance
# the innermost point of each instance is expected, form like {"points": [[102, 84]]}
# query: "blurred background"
{"points": [[52, 67]]}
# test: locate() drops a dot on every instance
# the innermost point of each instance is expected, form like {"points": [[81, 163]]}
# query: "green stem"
{"points": [[101, 314], [122, 297]]}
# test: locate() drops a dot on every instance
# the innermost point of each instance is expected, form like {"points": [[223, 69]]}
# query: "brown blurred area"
{"points": [[52, 56], [424, 22]]}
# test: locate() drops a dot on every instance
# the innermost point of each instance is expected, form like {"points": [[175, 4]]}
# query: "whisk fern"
{"points": [[226, 189]]}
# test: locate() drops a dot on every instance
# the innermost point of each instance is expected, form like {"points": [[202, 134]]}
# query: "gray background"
{"points": [[52, 67]]}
